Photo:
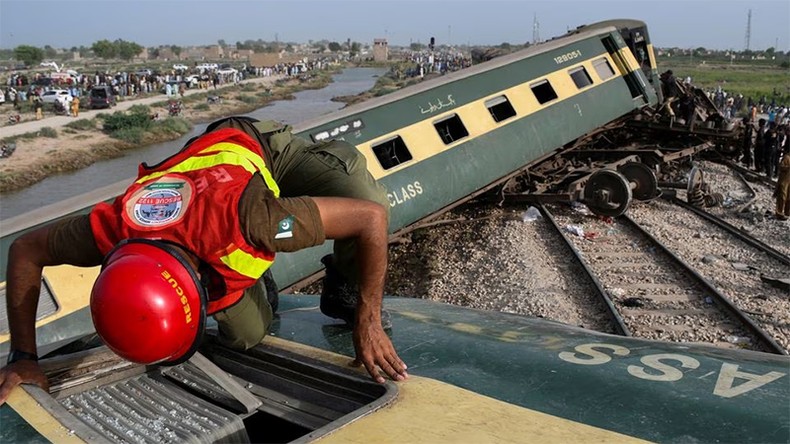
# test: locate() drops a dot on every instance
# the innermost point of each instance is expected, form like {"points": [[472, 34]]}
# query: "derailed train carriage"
{"points": [[476, 375]]}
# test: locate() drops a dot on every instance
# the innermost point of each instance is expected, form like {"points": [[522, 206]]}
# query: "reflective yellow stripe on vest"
{"points": [[225, 154], [246, 264]]}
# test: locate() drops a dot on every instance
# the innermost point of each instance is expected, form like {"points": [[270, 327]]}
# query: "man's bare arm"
{"points": [[366, 222], [26, 258]]}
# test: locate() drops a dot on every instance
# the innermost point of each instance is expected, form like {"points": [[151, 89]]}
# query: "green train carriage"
{"points": [[437, 142]]}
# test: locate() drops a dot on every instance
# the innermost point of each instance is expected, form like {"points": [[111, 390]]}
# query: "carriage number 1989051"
{"points": [[569, 56]]}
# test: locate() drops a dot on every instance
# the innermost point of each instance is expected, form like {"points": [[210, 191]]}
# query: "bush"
{"points": [[131, 135], [119, 121], [48, 132], [174, 125], [202, 107], [82, 124], [250, 100], [140, 109]]}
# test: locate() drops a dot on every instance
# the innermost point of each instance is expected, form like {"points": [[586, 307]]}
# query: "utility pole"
{"points": [[748, 29], [535, 30]]}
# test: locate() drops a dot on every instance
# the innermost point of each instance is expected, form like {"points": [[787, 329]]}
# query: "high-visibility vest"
{"points": [[192, 199]]}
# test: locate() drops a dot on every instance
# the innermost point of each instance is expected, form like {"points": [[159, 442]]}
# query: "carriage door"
{"points": [[628, 67]]}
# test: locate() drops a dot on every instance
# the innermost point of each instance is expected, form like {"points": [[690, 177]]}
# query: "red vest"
{"points": [[192, 199]]}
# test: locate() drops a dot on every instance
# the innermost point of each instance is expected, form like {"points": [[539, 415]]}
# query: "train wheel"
{"points": [[607, 193], [643, 181]]}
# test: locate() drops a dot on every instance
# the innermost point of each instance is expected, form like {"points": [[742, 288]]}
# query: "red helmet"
{"points": [[148, 304]]}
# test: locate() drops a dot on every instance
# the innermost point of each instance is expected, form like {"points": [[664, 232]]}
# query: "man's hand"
{"points": [[20, 372], [374, 348], [365, 222]]}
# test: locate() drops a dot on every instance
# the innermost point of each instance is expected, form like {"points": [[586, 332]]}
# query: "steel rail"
{"points": [[756, 243], [620, 326], [753, 175], [718, 297]]}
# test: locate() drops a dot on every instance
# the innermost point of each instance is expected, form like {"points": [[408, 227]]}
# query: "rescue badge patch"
{"points": [[160, 203]]}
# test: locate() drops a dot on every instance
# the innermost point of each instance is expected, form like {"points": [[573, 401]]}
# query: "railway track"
{"points": [[732, 230], [654, 294]]}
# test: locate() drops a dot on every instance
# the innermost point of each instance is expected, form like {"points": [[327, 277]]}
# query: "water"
{"points": [[306, 105]]}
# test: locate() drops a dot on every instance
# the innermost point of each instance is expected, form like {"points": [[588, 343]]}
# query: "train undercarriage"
{"points": [[629, 159]]}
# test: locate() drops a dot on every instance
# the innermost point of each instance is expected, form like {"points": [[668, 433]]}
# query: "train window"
{"points": [[500, 108], [603, 68], [580, 77], [451, 129], [392, 152], [543, 91]]}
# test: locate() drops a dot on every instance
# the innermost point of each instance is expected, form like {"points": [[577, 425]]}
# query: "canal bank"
{"points": [[304, 105]]}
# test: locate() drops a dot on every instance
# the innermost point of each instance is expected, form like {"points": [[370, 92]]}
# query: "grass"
{"points": [[82, 125], [755, 80]]}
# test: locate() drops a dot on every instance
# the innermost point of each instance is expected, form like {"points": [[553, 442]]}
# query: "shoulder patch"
{"points": [[159, 203], [285, 228]]}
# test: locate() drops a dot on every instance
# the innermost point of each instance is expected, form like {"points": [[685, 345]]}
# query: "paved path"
{"points": [[53, 121]]}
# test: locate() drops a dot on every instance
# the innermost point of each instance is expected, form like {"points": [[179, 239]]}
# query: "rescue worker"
{"points": [[194, 234], [783, 188]]}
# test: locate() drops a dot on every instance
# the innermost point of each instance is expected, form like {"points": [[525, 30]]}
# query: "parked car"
{"points": [[180, 67], [227, 70], [207, 66], [101, 97], [192, 80], [56, 94]]}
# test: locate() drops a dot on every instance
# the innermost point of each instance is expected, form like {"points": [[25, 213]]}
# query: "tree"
{"points": [[176, 50], [222, 43], [355, 48], [127, 50], [104, 49], [50, 52], [154, 52], [416, 47], [334, 46], [30, 55]]}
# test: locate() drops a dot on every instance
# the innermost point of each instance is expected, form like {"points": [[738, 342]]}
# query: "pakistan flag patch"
{"points": [[285, 228]]}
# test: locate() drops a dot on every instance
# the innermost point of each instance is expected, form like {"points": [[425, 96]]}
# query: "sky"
{"points": [[713, 24]]}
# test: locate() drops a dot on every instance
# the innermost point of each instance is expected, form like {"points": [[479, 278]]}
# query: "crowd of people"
{"points": [[20, 88], [427, 62], [766, 149], [765, 145]]}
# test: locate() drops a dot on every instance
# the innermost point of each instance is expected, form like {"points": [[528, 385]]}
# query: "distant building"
{"points": [[214, 52], [142, 56], [267, 59], [241, 54], [380, 50]]}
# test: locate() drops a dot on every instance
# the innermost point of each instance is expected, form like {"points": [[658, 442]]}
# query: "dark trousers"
{"points": [[770, 161]]}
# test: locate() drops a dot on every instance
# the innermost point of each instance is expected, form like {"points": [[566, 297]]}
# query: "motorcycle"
{"points": [[60, 108], [7, 149], [174, 108], [13, 119]]}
